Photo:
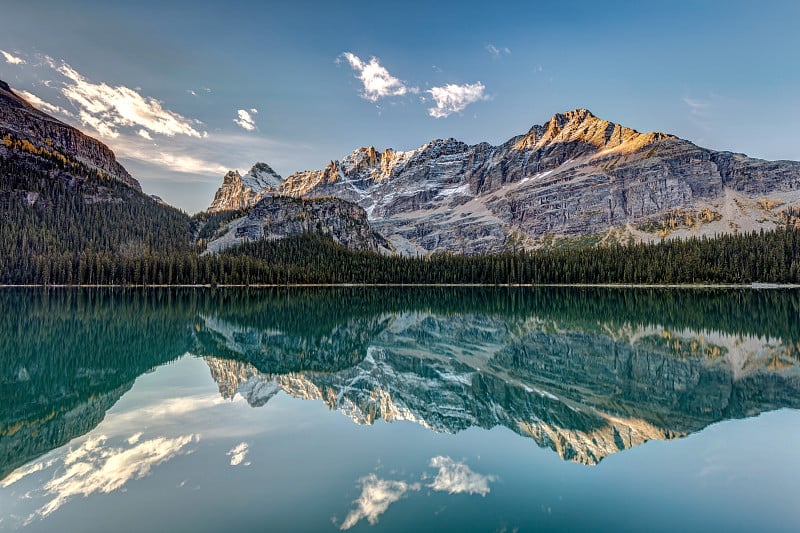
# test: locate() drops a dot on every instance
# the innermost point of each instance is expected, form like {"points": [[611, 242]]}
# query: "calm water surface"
{"points": [[399, 410]]}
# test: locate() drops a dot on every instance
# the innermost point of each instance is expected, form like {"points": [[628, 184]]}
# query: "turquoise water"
{"points": [[399, 409]]}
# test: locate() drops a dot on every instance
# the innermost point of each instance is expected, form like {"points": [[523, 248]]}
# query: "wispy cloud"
{"points": [[105, 108], [12, 59], [376, 496], [37, 102], [699, 112], [95, 467], [238, 453], [497, 51], [246, 119], [376, 80], [144, 134], [456, 478], [181, 162], [454, 98]]}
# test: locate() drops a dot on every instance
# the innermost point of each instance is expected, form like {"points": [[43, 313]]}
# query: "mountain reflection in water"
{"points": [[585, 372]]}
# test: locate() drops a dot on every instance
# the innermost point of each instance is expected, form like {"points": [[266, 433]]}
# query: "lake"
{"points": [[399, 409]]}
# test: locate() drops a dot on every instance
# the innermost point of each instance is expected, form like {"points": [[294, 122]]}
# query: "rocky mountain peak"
{"points": [[581, 126], [239, 192], [365, 157], [231, 177], [262, 177], [574, 175]]}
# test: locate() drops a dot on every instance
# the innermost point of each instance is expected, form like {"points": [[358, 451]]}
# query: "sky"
{"points": [[182, 91]]}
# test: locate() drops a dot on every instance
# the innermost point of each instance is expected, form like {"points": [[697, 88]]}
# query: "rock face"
{"points": [[240, 192], [20, 121], [276, 217], [575, 175]]}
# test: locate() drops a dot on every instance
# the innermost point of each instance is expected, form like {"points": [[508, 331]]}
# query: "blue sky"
{"points": [[184, 91]]}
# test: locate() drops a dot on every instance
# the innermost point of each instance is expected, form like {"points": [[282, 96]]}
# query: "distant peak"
{"points": [[580, 114], [580, 125], [262, 167], [232, 175], [576, 116]]}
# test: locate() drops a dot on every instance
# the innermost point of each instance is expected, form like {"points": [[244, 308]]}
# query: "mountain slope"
{"points": [[574, 176], [63, 195], [20, 121], [276, 217]]}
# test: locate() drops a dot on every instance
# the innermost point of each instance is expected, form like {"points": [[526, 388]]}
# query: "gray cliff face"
{"points": [[575, 175], [239, 192], [276, 217], [22, 122]]}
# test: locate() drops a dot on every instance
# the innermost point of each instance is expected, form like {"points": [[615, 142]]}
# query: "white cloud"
{"points": [[24, 471], [37, 102], [457, 478], [11, 59], [175, 156], [238, 453], [96, 467], [699, 112], [376, 496], [497, 52], [246, 119], [144, 134], [106, 108], [454, 98], [183, 163], [377, 81]]}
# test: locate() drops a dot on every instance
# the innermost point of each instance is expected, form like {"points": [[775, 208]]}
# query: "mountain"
{"points": [[63, 195], [575, 176], [20, 122], [239, 192], [276, 217]]}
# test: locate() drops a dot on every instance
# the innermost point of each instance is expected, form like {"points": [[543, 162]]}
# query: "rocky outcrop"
{"points": [[575, 175], [20, 121], [276, 217], [239, 192]]}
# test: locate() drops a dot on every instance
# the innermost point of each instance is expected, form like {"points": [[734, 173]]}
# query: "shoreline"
{"points": [[755, 286]]}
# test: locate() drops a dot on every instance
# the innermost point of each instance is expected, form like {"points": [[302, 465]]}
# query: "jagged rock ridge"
{"points": [[240, 192], [575, 175]]}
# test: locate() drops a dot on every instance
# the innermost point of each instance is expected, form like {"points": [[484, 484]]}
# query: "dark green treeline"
{"points": [[311, 259]]}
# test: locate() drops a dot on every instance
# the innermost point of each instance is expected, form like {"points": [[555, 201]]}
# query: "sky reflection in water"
{"points": [[419, 416]]}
